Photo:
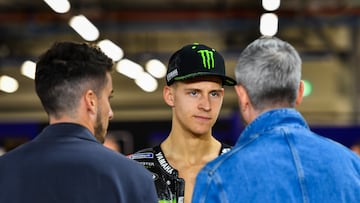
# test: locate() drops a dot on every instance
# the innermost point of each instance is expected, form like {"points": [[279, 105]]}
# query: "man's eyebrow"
{"points": [[200, 90], [192, 88], [217, 90]]}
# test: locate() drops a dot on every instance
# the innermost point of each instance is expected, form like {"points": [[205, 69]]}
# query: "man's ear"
{"points": [[91, 101], [242, 97], [168, 95], [300, 94]]}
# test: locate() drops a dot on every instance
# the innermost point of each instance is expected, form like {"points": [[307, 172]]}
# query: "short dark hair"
{"points": [[65, 71]]}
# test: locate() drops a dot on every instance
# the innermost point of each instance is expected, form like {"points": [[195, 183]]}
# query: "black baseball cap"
{"points": [[194, 60]]}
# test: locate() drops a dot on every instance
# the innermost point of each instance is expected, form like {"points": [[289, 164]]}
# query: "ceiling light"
{"points": [[146, 82], [84, 28], [271, 5], [59, 6], [268, 24], [112, 50], [28, 69], [8, 84], [156, 68], [129, 68]]}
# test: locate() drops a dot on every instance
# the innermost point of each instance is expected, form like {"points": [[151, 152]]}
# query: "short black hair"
{"points": [[64, 70]]}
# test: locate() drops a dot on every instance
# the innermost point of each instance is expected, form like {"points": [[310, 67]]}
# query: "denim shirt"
{"points": [[278, 159]]}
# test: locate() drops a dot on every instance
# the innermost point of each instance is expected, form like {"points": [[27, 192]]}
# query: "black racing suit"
{"points": [[170, 187]]}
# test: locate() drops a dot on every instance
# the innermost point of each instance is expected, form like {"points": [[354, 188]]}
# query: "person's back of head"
{"points": [[270, 71], [65, 71]]}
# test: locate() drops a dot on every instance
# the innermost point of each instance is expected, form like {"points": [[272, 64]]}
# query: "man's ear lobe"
{"points": [[168, 96], [90, 100], [238, 90], [300, 94], [242, 96], [241, 92]]}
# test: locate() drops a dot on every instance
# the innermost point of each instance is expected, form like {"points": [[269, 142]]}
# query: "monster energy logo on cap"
{"points": [[207, 58]]}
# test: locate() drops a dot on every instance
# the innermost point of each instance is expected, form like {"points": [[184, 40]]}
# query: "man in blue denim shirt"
{"points": [[277, 158]]}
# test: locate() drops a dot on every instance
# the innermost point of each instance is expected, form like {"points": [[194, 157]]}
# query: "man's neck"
{"points": [[67, 119], [191, 149]]}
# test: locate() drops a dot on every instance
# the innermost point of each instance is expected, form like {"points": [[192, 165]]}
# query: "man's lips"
{"points": [[202, 117]]}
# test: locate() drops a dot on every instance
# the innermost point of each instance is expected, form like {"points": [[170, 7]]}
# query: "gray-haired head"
{"points": [[270, 71]]}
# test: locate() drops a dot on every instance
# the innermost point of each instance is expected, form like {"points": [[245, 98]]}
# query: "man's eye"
{"points": [[193, 93], [214, 94]]}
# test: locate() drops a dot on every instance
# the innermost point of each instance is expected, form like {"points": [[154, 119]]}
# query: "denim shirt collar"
{"points": [[271, 119]]}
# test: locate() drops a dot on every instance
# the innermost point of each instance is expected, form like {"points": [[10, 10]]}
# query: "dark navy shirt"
{"points": [[65, 164]]}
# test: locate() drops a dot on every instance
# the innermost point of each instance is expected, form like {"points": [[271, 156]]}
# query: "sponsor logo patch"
{"points": [[147, 155], [207, 58], [163, 163]]}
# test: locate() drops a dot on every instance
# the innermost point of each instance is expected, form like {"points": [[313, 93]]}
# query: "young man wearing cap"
{"points": [[194, 91]]}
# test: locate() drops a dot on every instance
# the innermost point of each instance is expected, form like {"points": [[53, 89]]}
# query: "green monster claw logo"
{"points": [[207, 58]]}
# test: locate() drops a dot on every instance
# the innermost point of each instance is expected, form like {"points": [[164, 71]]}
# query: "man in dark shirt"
{"points": [[194, 91], [67, 162]]}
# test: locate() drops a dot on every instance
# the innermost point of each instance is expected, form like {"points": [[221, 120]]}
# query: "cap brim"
{"points": [[225, 79]]}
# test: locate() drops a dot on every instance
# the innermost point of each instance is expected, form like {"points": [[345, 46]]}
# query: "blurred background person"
{"points": [[112, 143]]}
